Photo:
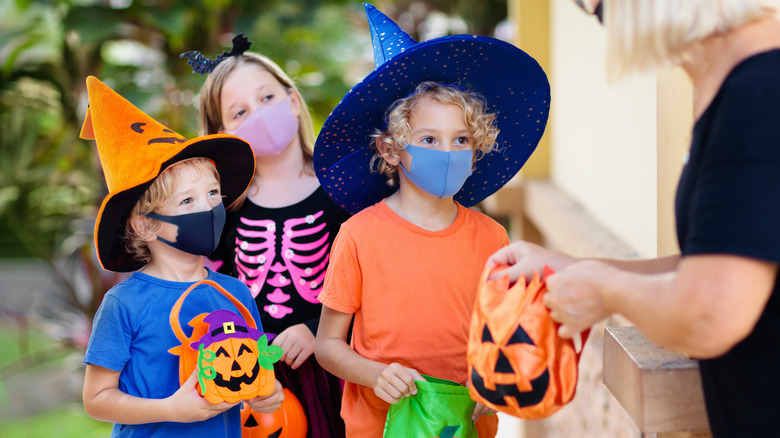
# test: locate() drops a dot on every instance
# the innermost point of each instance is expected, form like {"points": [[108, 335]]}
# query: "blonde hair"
{"points": [[479, 122], [151, 200], [211, 104], [643, 34]]}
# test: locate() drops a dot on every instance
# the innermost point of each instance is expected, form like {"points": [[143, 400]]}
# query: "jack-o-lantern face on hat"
{"points": [[134, 149], [517, 362], [167, 136]]}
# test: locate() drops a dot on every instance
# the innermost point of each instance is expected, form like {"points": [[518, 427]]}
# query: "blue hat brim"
{"points": [[513, 84]]}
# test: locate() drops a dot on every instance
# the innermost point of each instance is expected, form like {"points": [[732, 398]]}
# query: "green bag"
{"points": [[441, 408]]}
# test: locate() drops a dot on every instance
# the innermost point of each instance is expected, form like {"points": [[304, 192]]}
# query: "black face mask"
{"points": [[198, 232]]}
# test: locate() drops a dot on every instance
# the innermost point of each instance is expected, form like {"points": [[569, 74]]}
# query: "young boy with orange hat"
{"points": [[164, 212]]}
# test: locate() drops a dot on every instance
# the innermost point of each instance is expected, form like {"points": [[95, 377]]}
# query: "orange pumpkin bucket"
{"points": [[289, 421], [517, 362], [233, 358]]}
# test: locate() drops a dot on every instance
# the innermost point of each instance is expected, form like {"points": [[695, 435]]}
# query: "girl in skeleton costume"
{"points": [[277, 241]]}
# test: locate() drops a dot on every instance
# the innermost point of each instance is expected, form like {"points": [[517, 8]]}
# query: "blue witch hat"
{"points": [[513, 84]]}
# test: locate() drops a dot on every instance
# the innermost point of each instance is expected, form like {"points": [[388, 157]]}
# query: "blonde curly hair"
{"points": [[480, 123]]}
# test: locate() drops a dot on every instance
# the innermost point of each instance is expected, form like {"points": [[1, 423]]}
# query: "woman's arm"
{"points": [[390, 382], [705, 307], [524, 258], [105, 402]]}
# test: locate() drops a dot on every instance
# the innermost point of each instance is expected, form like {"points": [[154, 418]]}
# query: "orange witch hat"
{"points": [[134, 150]]}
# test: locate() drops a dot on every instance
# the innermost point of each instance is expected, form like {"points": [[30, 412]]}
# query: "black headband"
{"points": [[201, 64]]}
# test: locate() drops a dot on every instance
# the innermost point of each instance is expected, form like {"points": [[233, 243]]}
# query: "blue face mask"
{"points": [[198, 232], [438, 173]]}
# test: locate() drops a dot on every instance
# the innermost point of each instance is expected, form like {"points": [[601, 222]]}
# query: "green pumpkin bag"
{"points": [[441, 408]]}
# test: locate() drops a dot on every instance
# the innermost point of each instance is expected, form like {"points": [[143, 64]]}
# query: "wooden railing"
{"points": [[660, 389]]}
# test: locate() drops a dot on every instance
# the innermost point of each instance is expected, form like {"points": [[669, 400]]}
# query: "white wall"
{"points": [[603, 140]]}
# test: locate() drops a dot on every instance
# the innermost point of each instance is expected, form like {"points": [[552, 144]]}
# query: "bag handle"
{"points": [[174, 317], [578, 341]]}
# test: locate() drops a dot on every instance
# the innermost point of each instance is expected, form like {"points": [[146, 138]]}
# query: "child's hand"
{"points": [[187, 406], [396, 382], [480, 410], [268, 403], [298, 344]]}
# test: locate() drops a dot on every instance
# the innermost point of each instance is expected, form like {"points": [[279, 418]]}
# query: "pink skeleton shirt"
{"points": [[281, 254]]}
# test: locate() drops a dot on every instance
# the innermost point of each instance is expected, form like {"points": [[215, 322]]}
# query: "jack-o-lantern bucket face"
{"points": [[230, 359], [523, 382], [289, 421], [517, 362], [237, 371]]}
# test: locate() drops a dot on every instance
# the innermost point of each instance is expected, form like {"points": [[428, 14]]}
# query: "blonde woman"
{"points": [[719, 300]]}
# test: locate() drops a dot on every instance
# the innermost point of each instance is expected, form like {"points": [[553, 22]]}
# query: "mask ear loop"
{"points": [[400, 163], [162, 218]]}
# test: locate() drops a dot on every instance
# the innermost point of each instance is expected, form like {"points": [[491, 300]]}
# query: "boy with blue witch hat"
{"points": [[459, 115]]}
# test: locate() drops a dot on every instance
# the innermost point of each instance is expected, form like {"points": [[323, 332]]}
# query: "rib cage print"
{"points": [[293, 260]]}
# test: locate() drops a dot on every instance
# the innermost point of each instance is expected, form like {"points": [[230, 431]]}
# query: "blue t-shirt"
{"points": [[132, 333], [728, 202]]}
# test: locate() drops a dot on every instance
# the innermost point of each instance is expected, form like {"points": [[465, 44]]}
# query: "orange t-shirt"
{"points": [[412, 293]]}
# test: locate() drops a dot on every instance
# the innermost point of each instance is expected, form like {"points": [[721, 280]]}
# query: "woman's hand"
{"points": [[574, 296], [525, 258], [298, 344], [396, 382]]}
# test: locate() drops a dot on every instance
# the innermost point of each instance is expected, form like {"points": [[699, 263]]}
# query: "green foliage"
{"points": [[18, 342], [44, 184]]}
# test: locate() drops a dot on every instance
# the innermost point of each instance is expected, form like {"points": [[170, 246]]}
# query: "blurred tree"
{"points": [[479, 16]]}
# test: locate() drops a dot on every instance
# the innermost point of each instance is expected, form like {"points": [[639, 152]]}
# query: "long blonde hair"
{"points": [[643, 34], [211, 105]]}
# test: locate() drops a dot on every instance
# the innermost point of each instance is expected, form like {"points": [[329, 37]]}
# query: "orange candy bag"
{"points": [[517, 362]]}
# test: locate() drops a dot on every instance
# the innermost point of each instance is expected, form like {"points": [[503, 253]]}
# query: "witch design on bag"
{"points": [[233, 358]]}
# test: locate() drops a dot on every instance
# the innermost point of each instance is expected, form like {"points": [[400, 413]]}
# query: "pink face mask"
{"points": [[269, 129]]}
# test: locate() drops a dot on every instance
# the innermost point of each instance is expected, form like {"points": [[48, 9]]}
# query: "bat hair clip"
{"points": [[201, 64]]}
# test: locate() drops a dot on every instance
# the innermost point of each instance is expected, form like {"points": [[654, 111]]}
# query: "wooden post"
{"points": [[659, 388]]}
